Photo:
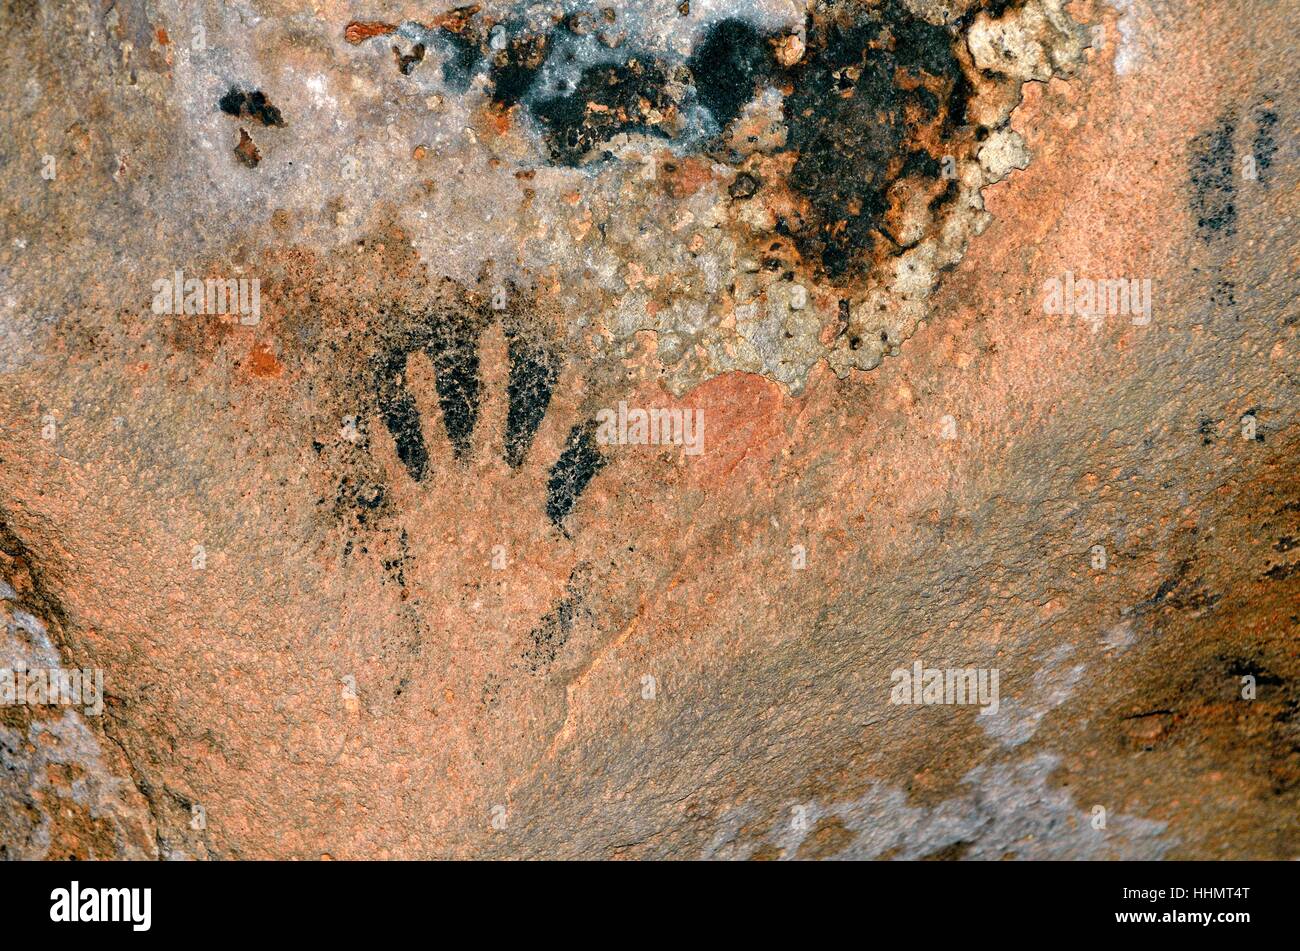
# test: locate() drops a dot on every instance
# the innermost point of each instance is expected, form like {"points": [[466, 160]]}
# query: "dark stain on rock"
{"points": [[551, 635], [1265, 144], [553, 632], [250, 105], [363, 497], [866, 97], [952, 852], [1282, 571], [1238, 667], [920, 163], [997, 9], [1211, 169], [879, 96], [920, 45], [395, 567], [34, 583], [1198, 599], [608, 99], [514, 69], [1166, 588], [728, 67], [458, 68], [945, 197], [576, 467], [533, 373]]}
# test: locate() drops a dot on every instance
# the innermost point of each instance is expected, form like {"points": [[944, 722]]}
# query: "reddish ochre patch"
{"points": [[687, 177], [161, 36], [246, 151], [742, 423], [496, 121], [262, 362], [357, 31]]}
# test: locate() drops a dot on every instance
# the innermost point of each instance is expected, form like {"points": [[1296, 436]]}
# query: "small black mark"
{"points": [[554, 630], [406, 62], [576, 467], [1212, 167], [1166, 588], [744, 186], [1150, 713], [1224, 294], [396, 567], [250, 105], [533, 373], [1207, 430], [1265, 145]]}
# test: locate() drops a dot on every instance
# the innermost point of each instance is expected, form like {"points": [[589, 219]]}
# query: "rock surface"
{"points": [[366, 575]]}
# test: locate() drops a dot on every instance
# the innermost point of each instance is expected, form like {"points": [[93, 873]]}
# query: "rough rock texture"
{"points": [[365, 580]]}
